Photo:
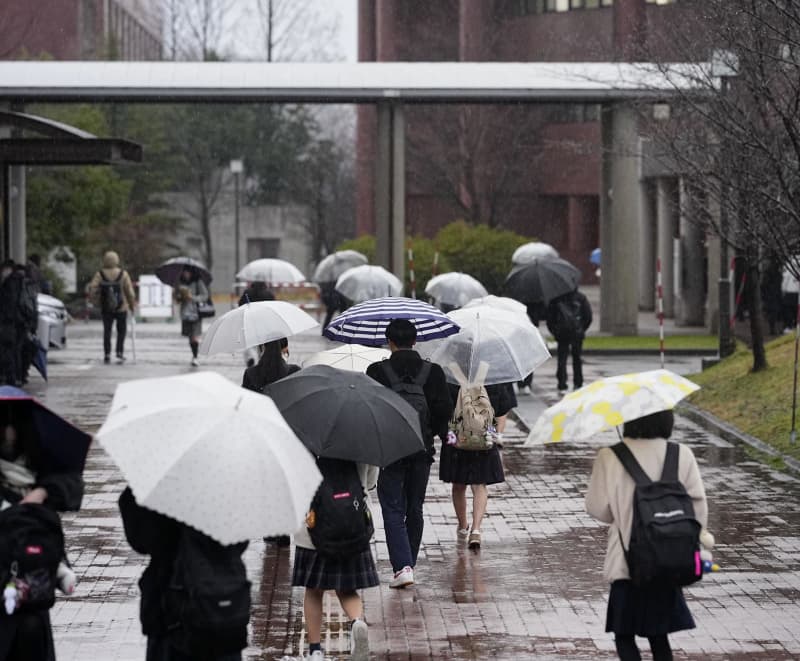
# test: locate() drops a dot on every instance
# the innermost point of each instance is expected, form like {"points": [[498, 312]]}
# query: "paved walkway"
{"points": [[533, 592]]}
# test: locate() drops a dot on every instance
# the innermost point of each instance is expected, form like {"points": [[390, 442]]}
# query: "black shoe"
{"points": [[107, 359], [120, 359]]}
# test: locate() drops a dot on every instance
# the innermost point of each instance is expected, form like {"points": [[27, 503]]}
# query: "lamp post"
{"points": [[237, 167], [724, 65]]}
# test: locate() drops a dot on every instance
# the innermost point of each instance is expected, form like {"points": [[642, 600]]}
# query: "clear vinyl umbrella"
{"points": [[528, 252], [499, 302], [331, 267], [454, 288], [272, 271], [255, 323], [505, 341], [349, 357], [363, 283], [203, 451]]}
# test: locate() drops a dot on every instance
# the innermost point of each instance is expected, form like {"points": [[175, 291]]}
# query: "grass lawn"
{"points": [[759, 404], [628, 342]]}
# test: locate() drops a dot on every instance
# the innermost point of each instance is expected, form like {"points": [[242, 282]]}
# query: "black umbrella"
{"points": [[347, 415], [542, 280], [170, 271]]}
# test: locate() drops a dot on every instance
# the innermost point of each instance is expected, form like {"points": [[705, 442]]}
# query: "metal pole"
{"points": [[793, 434], [236, 218], [725, 335], [660, 292]]}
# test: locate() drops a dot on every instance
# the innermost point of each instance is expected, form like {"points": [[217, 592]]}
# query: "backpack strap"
{"points": [[630, 464], [458, 374], [103, 276], [388, 370], [670, 471], [422, 375]]}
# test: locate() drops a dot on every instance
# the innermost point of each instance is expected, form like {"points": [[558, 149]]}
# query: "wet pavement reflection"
{"points": [[535, 589]]}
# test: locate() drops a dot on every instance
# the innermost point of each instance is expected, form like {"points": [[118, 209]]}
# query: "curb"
{"points": [[649, 352], [712, 423]]}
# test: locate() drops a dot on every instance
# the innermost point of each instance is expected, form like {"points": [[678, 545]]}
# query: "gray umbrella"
{"points": [[347, 415], [542, 280], [171, 270]]}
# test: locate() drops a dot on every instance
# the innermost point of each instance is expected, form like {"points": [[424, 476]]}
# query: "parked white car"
{"points": [[52, 326]]}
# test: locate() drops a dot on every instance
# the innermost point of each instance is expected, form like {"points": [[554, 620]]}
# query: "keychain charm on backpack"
{"points": [[10, 597]]}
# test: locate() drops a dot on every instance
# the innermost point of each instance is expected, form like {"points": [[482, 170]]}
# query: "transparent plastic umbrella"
{"points": [[507, 342], [454, 288], [499, 302], [527, 252], [331, 267], [350, 357], [363, 283], [273, 271]]}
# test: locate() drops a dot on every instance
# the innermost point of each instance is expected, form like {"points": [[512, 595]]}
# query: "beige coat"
{"points": [[111, 271], [609, 497], [369, 478]]}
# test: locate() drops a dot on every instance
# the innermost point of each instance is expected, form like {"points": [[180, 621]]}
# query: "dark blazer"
{"points": [[407, 362]]}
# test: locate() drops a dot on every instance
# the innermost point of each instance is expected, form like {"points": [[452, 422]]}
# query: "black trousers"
{"points": [[566, 347], [628, 651], [122, 325]]}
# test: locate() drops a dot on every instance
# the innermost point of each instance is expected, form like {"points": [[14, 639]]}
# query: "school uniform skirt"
{"points": [[312, 570], [654, 611], [470, 466]]}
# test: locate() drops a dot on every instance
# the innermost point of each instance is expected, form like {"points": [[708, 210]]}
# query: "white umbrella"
{"points": [[350, 357], [363, 283], [527, 252], [255, 323], [273, 271], [507, 342], [454, 288], [331, 267], [214, 456], [499, 302]]}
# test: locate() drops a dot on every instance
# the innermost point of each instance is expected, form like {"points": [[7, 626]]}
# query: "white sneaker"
{"points": [[359, 641], [526, 390], [462, 534], [195, 362], [317, 655], [66, 578], [402, 578]]}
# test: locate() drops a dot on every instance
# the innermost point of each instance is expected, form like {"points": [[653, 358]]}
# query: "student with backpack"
{"points": [[568, 318], [333, 551], [191, 293], [402, 485], [111, 289], [650, 492], [480, 413], [195, 593]]}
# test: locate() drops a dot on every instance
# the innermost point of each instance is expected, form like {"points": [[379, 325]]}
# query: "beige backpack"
{"points": [[473, 418]]}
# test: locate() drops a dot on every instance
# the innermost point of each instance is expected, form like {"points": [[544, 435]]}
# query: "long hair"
{"points": [[271, 366]]}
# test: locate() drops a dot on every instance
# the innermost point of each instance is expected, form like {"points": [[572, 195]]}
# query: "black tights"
{"points": [[30, 641], [627, 650], [193, 345]]}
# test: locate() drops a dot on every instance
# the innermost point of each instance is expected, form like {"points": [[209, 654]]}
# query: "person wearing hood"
{"points": [[111, 290]]}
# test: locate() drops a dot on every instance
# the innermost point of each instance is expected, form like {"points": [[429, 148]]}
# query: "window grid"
{"points": [[526, 7]]}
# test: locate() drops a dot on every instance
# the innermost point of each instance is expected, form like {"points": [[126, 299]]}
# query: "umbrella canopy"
{"points": [[542, 280], [63, 446], [610, 402], [527, 252], [347, 415], [507, 342], [252, 324], [363, 283], [332, 266], [499, 302], [170, 271], [454, 288], [214, 456], [272, 271], [595, 256], [350, 357], [366, 323]]}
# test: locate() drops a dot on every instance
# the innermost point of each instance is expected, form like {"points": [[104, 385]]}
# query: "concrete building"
{"points": [[81, 29], [537, 169]]}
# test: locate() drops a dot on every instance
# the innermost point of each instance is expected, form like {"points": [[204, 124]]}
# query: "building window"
{"points": [[660, 2], [527, 7], [260, 248]]}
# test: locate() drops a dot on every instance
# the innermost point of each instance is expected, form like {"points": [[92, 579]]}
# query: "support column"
{"points": [[666, 213], [619, 220], [5, 248], [647, 247], [712, 302], [691, 278], [390, 189], [16, 225]]}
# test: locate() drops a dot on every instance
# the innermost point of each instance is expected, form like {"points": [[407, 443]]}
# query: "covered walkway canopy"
{"points": [[391, 85]]}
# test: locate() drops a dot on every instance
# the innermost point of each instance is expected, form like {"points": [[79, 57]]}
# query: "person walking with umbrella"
{"points": [[651, 610], [189, 292], [568, 318], [402, 485], [112, 290]]}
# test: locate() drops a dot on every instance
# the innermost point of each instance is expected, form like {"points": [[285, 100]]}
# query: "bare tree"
{"points": [[203, 24], [739, 134], [297, 30], [15, 28]]}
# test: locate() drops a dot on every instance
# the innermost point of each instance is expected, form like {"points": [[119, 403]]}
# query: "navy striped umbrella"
{"points": [[366, 322]]}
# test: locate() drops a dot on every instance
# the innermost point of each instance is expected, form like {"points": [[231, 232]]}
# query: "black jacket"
{"points": [[407, 362], [585, 313]]}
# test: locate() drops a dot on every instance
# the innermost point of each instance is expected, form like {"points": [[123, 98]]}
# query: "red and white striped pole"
{"points": [[411, 277], [660, 299], [793, 434], [738, 301]]}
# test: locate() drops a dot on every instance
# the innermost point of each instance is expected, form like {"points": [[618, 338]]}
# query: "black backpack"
{"points": [[31, 547], [207, 604], [413, 392], [566, 319], [110, 293], [339, 521], [665, 537]]}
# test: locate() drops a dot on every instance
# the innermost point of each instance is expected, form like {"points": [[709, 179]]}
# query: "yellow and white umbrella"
{"points": [[608, 403]]}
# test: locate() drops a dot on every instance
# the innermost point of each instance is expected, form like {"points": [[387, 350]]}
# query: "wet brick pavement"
{"points": [[535, 590]]}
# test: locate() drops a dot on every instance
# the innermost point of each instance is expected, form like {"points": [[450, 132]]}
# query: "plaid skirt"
{"points": [[312, 570]]}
